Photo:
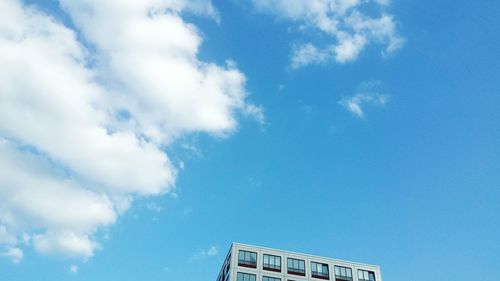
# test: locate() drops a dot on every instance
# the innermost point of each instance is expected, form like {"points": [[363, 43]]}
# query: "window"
{"points": [[343, 273], [248, 259], [319, 270], [364, 275], [296, 266], [267, 278], [272, 263], [245, 277]]}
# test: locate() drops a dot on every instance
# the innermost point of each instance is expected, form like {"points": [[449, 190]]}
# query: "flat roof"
{"points": [[308, 255]]}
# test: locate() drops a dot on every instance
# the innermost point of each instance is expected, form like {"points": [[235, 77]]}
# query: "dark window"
{"points": [[296, 266], [343, 273], [248, 259], [364, 275], [267, 278], [272, 263], [245, 277], [319, 270]]}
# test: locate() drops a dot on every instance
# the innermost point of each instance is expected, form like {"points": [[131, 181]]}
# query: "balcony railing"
{"points": [[245, 263], [320, 275], [272, 267], [296, 271]]}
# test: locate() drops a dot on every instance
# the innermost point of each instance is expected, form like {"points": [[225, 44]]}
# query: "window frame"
{"points": [[340, 277], [247, 263], [270, 278], [370, 273], [317, 274], [293, 271], [245, 273], [275, 268]]}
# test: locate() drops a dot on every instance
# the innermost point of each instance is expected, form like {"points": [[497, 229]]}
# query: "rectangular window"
{"points": [[271, 262], [296, 266], [343, 273], [364, 275], [247, 259], [245, 277], [267, 278], [319, 270]]}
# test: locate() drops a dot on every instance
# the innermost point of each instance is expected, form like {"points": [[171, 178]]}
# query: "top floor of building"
{"points": [[252, 263]]}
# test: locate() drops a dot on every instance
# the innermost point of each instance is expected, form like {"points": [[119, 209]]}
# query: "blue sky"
{"points": [[410, 183]]}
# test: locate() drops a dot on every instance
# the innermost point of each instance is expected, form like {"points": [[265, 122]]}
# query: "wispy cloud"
{"points": [[211, 251], [14, 254], [344, 22], [154, 207], [73, 269], [366, 94]]}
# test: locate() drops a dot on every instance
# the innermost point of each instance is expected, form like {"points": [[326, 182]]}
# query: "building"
{"points": [[251, 263]]}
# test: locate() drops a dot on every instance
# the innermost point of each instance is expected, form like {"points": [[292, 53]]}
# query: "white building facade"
{"points": [[252, 263]]}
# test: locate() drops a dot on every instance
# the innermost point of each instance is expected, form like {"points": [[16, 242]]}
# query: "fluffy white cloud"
{"points": [[82, 125], [366, 95], [343, 21]]}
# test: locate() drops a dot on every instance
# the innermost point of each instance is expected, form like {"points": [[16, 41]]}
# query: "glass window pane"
{"points": [[360, 274], [241, 255], [337, 270], [366, 275], [266, 259], [325, 268], [349, 273], [289, 262], [278, 261], [372, 276], [342, 271]]}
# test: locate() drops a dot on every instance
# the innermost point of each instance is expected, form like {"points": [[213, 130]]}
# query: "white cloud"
{"points": [[154, 207], [82, 130], [14, 254], [306, 54], [6, 238], [366, 95], [349, 29], [73, 268], [211, 251]]}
